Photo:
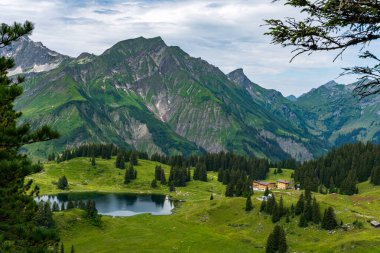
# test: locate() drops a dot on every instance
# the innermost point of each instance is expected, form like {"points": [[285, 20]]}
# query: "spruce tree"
{"points": [[316, 216], [271, 244], [55, 207], [93, 161], [72, 249], [70, 205], [281, 209], [212, 197], [248, 204], [62, 248], [153, 184], [120, 160], [300, 205], [275, 213], [282, 244], [229, 190], [375, 175], [62, 206], [62, 183], [302, 222], [171, 186], [308, 210], [17, 226], [348, 185], [329, 221], [276, 241], [133, 159], [163, 177]]}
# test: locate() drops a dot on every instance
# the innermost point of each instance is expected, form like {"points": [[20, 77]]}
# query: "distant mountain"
{"points": [[32, 57], [144, 94], [292, 98], [334, 114]]}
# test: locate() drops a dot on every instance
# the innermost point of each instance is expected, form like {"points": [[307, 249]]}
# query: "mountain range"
{"points": [[143, 94]]}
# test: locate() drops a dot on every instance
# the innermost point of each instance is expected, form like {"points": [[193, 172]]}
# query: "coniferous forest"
{"points": [[341, 169]]}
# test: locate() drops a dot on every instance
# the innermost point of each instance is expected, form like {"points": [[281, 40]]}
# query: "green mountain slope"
{"points": [[144, 94], [333, 113]]}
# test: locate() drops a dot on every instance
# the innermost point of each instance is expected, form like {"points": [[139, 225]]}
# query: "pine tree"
{"points": [[300, 205], [188, 175], [62, 183], [271, 244], [348, 185], [302, 222], [271, 203], [308, 210], [329, 221], [281, 208], [70, 205], [163, 177], [276, 241], [93, 162], [44, 217], [282, 244], [120, 160], [130, 174], [171, 186], [153, 184], [212, 197], [287, 220], [62, 248], [17, 208], [133, 159], [331, 185], [375, 175], [55, 207], [248, 204], [275, 213], [157, 172], [229, 190], [316, 216]]}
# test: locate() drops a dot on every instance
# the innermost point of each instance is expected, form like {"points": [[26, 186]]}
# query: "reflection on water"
{"points": [[117, 204]]}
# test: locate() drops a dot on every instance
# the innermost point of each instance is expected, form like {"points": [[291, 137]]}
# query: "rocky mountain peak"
{"points": [[238, 76], [31, 57]]}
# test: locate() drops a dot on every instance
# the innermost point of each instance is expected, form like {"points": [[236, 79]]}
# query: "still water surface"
{"points": [[117, 204]]}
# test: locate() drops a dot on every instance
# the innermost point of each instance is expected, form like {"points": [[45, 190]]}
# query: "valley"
{"points": [[198, 223]]}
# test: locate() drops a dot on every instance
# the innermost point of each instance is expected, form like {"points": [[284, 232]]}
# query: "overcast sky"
{"points": [[228, 34]]}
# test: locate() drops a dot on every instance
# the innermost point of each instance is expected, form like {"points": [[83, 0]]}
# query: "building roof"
{"points": [[375, 223], [263, 183], [283, 181]]}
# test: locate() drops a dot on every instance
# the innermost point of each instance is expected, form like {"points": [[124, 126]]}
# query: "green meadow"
{"points": [[199, 224]]}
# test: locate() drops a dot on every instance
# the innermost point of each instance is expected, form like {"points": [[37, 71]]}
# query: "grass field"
{"points": [[201, 225]]}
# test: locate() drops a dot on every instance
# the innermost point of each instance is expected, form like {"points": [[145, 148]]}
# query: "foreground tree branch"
{"points": [[332, 25]]}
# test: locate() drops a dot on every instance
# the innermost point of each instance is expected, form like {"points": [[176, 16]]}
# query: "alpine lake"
{"points": [[116, 204]]}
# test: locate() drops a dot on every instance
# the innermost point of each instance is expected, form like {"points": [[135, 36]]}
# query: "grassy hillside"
{"points": [[201, 225]]}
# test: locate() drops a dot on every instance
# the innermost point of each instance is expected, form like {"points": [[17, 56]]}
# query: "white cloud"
{"points": [[228, 34]]}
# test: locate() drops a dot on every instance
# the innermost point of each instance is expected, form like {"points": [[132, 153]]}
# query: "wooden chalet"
{"points": [[282, 184], [261, 186]]}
